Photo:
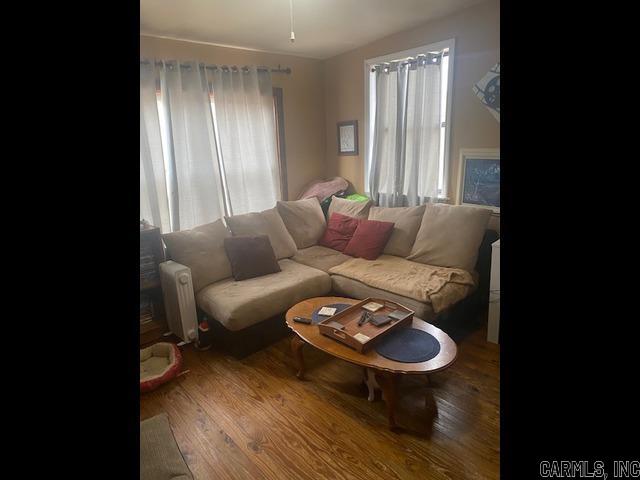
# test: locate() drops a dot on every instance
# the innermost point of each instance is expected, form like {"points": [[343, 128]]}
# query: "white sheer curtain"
{"points": [[422, 154], [243, 100], [198, 162], [192, 159], [154, 204], [406, 138]]}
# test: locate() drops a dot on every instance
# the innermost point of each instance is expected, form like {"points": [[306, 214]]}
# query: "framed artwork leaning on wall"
{"points": [[479, 178]]}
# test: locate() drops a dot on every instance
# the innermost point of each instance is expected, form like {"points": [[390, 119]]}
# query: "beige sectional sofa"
{"points": [[248, 314]]}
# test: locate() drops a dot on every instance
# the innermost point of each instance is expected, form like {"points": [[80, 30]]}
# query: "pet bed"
{"points": [[159, 363]]}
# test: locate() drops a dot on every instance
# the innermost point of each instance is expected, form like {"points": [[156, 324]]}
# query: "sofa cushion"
{"points": [[369, 239], [267, 222], [349, 208], [450, 236], [202, 250], [320, 257], [439, 286], [304, 220], [340, 229], [406, 222], [238, 305], [250, 256], [349, 287]]}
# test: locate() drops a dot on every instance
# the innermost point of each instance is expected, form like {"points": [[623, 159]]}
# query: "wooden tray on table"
{"points": [[363, 337]]}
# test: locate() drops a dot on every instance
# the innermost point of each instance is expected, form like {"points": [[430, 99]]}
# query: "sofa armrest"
{"points": [[179, 300]]}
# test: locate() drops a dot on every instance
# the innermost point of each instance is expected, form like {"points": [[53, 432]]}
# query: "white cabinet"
{"points": [[493, 328]]}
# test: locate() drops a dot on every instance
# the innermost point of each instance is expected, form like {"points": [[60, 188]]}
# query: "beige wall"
{"points": [[302, 94], [318, 94], [477, 34]]}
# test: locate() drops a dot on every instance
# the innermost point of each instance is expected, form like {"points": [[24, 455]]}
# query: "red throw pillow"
{"points": [[339, 231], [369, 239]]}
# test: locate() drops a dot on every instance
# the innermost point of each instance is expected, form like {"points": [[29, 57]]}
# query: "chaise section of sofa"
{"points": [[237, 305], [247, 315]]}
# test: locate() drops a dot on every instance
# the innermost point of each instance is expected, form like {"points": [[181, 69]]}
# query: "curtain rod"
{"points": [[411, 60], [286, 70]]}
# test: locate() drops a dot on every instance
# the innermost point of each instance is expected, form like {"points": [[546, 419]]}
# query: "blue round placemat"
{"points": [[408, 345], [315, 318]]}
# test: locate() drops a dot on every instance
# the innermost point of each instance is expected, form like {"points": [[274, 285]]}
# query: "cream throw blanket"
{"points": [[439, 286]]}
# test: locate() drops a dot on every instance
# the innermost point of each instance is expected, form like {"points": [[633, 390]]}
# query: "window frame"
{"points": [[449, 44]]}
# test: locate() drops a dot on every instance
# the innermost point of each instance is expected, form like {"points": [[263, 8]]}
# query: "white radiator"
{"points": [[179, 301]]}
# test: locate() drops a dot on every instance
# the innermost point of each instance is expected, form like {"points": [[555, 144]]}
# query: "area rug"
{"points": [[160, 457]]}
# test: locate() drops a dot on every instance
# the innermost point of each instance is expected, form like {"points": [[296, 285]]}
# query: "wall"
{"points": [[477, 33], [318, 94], [302, 95]]}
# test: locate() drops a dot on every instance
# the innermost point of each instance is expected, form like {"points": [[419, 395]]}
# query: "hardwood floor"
{"points": [[252, 418]]}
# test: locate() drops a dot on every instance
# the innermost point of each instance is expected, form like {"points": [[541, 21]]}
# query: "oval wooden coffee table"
{"points": [[385, 371]]}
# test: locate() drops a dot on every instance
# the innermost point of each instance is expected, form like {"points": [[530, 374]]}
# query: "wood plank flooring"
{"points": [[252, 418]]}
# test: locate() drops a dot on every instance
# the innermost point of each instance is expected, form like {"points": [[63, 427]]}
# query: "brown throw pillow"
{"points": [[250, 256]]}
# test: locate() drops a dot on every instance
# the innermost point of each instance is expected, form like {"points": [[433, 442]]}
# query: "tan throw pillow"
{"points": [[349, 208], [304, 220], [406, 222], [202, 250], [267, 223], [450, 236]]}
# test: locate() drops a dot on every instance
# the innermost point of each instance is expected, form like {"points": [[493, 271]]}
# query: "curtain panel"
{"points": [[201, 159], [405, 145], [154, 202], [244, 115], [193, 162]]}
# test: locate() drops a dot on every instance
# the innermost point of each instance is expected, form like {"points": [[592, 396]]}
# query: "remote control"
{"points": [[302, 320]]}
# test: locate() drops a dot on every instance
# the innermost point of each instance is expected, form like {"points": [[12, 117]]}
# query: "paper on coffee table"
{"points": [[361, 337], [372, 306], [327, 311]]}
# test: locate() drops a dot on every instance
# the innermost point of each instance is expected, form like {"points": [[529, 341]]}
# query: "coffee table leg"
{"points": [[296, 349], [389, 384]]}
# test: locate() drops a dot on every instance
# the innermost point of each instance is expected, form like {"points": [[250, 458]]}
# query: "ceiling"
{"points": [[323, 28]]}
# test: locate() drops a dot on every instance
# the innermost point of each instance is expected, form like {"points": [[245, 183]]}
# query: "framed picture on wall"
{"points": [[348, 137], [479, 178]]}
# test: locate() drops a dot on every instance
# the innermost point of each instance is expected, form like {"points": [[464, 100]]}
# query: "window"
{"points": [[402, 129], [165, 129]]}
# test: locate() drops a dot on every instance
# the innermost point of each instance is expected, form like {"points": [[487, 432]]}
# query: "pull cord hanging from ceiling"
{"points": [[293, 35]]}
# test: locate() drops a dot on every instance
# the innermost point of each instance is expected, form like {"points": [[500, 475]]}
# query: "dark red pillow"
{"points": [[340, 229], [369, 239]]}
